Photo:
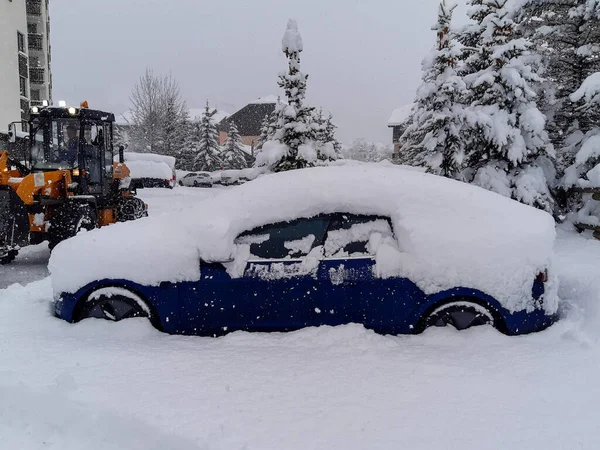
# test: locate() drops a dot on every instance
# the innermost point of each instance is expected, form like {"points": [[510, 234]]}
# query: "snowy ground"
{"points": [[100, 385]]}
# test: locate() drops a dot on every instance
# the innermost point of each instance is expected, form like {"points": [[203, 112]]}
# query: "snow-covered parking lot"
{"points": [[103, 385]]}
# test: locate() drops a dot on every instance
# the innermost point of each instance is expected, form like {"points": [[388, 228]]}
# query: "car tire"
{"points": [[103, 304], [69, 220], [461, 315], [195, 183]]}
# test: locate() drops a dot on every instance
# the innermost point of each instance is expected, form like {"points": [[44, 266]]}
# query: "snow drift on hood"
{"points": [[449, 233]]}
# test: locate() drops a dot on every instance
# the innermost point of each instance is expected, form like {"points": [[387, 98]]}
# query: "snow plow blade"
{"points": [[14, 220]]}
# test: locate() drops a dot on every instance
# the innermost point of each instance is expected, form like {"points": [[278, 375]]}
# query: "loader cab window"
{"points": [[92, 153], [55, 144], [108, 151]]}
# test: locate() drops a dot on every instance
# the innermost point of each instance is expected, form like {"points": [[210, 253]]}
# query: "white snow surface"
{"points": [[449, 234]]}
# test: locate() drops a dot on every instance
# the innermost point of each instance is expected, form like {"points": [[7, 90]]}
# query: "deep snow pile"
{"points": [[448, 233]]}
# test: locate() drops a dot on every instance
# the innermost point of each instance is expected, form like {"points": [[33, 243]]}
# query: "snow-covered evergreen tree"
{"points": [[509, 150], [433, 136], [327, 146], [329, 136], [291, 146], [585, 169], [264, 133], [567, 34], [233, 154], [206, 145], [187, 154]]}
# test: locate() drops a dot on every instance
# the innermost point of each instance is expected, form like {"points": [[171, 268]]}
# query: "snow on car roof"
{"points": [[149, 169], [131, 156], [449, 234]]}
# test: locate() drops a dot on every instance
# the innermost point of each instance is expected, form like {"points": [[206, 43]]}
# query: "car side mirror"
{"points": [[121, 154]]}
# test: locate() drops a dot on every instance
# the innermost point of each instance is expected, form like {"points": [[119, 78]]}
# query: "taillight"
{"points": [[542, 277]]}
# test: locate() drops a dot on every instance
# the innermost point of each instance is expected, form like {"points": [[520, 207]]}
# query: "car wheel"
{"points": [[114, 304], [195, 183], [460, 315]]}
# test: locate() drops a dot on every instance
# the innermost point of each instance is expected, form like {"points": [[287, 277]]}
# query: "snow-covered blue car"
{"points": [[393, 249]]}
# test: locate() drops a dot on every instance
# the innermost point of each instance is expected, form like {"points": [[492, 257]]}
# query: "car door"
{"points": [[278, 289], [347, 274], [280, 282]]}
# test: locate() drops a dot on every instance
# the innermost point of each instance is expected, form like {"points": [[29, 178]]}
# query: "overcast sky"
{"points": [[363, 57]]}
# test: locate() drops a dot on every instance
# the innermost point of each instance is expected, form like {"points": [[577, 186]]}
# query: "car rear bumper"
{"points": [[525, 322]]}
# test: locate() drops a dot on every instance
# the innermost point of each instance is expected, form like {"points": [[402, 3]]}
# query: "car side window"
{"points": [[285, 240], [352, 235]]}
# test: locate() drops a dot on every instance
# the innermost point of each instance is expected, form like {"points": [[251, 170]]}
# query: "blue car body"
{"points": [[218, 304]]}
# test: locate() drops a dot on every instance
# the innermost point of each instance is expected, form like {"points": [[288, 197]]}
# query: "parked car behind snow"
{"points": [[197, 179], [396, 250], [149, 170]]}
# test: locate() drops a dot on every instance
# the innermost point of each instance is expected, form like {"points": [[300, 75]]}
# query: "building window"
{"points": [[21, 41], [23, 86], [36, 75], [23, 66], [34, 7], [24, 109], [35, 94], [34, 61], [36, 41], [32, 28]]}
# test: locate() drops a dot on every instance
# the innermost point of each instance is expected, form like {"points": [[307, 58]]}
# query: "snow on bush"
{"points": [[448, 234]]}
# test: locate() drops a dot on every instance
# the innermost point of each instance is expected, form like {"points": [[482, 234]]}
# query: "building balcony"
{"points": [[34, 7], [36, 41], [36, 75]]}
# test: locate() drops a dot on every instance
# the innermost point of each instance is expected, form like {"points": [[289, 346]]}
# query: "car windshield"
{"points": [[55, 144]]}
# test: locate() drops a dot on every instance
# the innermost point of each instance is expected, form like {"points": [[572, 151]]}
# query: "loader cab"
{"points": [[74, 139]]}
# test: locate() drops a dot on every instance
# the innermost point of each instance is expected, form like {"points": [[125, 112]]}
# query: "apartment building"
{"points": [[25, 58], [40, 55]]}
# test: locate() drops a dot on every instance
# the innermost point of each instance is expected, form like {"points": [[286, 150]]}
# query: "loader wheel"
{"points": [[69, 220], [131, 208], [8, 256]]}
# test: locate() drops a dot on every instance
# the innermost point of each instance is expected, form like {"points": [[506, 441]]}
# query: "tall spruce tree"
{"points": [[206, 144], [295, 128], [512, 154], [233, 154], [433, 135]]}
